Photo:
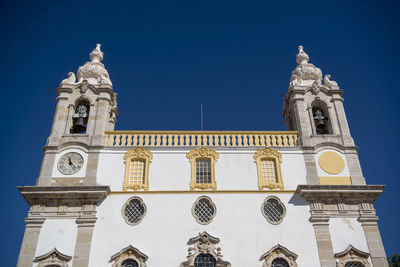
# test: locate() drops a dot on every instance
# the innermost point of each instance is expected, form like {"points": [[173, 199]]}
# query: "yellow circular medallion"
{"points": [[331, 162]]}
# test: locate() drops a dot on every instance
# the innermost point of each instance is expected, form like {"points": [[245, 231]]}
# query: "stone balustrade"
{"points": [[201, 138]]}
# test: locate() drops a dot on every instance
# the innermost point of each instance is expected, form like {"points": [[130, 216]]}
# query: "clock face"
{"points": [[70, 163]]}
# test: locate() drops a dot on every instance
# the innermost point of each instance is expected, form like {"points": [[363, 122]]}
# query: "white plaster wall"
{"points": [[321, 172], [163, 233], [57, 233], [80, 173], [345, 232], [171, 170]]}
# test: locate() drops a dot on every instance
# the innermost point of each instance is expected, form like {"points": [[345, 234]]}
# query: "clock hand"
{"points": [[71, 164]]}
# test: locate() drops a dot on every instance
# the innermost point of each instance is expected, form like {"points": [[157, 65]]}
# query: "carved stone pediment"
{"points": [[129, 252], [279, 251], [351, 254], [54, 257], [204, 243]]}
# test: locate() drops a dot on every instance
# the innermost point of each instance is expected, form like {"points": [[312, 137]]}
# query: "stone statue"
{"points": [[328, 82], [105, 79], [70, 80]]}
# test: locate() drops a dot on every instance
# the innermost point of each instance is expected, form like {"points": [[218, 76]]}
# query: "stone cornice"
{"points": [[69, 195], [332, 194]]}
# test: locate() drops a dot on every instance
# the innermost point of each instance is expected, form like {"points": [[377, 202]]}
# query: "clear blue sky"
{"points": [[166, 58]]}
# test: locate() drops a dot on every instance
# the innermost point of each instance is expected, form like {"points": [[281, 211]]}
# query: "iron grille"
{"points": [[134, 211], [204, 260], [204, 210], [203, 171], [279, 262], [354, 264], [273, 210], [129, 263]]}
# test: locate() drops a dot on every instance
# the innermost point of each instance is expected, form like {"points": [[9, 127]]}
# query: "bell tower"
{"points": [[314, 107], [86, 108]]}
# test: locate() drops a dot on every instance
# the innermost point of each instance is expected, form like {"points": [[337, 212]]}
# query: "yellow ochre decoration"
{"points": [[331, 162]]}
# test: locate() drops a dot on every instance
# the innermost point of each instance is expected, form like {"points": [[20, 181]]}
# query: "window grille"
{"points": [[354, 264], [203, 171], [279, 262], [205, 260], [273, 210], [136, 172], [268, 171], [134, 211], [204, 210], [129, 263]]}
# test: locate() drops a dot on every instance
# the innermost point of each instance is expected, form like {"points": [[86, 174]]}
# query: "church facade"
{"points": [[200, 198]]}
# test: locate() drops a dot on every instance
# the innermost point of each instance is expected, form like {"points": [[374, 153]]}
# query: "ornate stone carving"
{"points": [[142, 154], [305, 73], [351, 254], [279, 251], [94, 71], [276, 157], [330, 83], [70, 80], [53, 258], [204, 244], [129, 252]]}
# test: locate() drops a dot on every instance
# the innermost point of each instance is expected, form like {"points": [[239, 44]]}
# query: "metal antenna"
{"points": [[201, 112]]}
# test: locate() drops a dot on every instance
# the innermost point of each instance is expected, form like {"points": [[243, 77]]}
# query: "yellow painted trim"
{"points": [[272, 154], [137, 153], [203, 153], [331, 162], [203, 192], [335, 180]]}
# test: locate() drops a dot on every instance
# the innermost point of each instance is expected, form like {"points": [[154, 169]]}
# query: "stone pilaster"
{"points": [[83, 241], [324, 242], [46, 170], [343, 125], [374, 240], [29, 243], [91, 168], [311, 168], [353, 163], [59, 121]]}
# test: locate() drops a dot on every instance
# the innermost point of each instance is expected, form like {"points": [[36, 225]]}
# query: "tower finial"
{"points": [[302, 57], [96, 55]]}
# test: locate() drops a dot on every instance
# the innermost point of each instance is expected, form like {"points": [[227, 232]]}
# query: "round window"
{"points": [[273, 210], [204, 210], [129, 263], [134, 210], [279, 262]]}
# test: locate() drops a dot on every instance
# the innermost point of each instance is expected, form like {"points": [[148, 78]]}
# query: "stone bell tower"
{"points": [[86, 108], [315, 109]]}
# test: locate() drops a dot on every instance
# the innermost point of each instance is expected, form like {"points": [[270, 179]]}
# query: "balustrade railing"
{"points": [[200, 138]]}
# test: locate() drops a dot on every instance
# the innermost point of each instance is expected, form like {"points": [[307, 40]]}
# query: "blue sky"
{"points": [[166, 58]]}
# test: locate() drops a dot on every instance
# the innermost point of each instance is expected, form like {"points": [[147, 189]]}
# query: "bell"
{"points": [[79, 126], [319, 120]]}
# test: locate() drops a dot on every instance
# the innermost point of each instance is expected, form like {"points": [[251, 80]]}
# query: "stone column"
{"points": [[357, 177], [91, 168], [29, 243], [59, 121], [343, 125], [324, 242], [311, 167], [374, 240], [46, 170], [83, 241]]}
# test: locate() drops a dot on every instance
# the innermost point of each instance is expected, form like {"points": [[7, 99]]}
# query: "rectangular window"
{"points": [[203, 171], [268, 171], [136, 172]]}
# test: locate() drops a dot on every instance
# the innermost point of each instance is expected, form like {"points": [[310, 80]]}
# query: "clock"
{"points": [[70, 163]]}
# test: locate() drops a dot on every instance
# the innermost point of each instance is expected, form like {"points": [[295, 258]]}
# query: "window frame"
{"points": [[139, 154], [197, 217], [269, 154], [202, 153], [276, 252], [129, 252], [352, 254], [126, 204], [54, 257], [265, 215]]}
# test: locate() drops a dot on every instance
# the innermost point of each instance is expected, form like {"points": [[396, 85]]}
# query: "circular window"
{"points": [[134, 210], [273, 210], [204, 210], [129, 263], [279, 262]]}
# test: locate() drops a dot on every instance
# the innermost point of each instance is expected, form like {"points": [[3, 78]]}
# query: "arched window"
{"points": [[203, 168], [129, 263], [204, 260], [137, 162], [352, 257], [80, 117], [268, 162], [280, 262], [320, 116]]}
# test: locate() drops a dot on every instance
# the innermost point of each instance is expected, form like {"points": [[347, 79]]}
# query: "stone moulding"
{"points": [[52, 258], [129, 252], [279, 251], [332, 194], [351, 254], [68, 195], [203, 153]]}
